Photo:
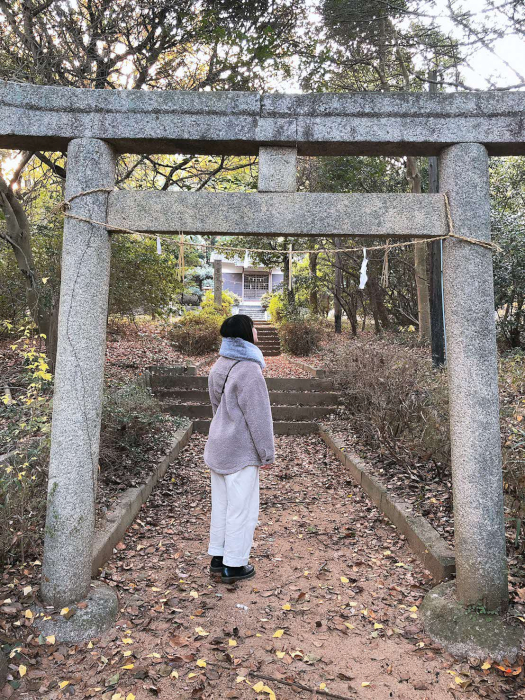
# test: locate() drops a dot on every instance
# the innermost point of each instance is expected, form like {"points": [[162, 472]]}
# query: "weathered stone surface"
{"points": [[473, 383], [466, 633], [277, 169], [301, 213], [85, 623], [136, 121], [77, 402], [217, 282]]}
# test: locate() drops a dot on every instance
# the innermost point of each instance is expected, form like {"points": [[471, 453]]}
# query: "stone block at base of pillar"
{"points": [[465, 633], [85, 623]]}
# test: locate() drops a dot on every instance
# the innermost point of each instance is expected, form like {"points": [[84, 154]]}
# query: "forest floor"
{"points": [[333, 609], [332, 574]]}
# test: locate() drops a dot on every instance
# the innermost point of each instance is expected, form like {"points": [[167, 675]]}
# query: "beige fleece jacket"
{"points": [[241, 431]]}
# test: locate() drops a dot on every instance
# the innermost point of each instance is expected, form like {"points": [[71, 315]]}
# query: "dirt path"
{"points": [[334, 601]]}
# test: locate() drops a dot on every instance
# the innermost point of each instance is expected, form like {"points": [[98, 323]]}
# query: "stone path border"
{"points": [[124, 511], [312, 371], [426, 543]]}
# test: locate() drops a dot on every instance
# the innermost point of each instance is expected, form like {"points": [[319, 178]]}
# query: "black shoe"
{"points": [[230, 574], [216, 565]]}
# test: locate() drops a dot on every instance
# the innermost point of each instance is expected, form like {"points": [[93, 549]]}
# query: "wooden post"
{"points": [[437, 326], [338, 312], [217, 283]]}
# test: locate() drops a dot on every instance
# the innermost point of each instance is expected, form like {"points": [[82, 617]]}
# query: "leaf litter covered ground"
{"points": [[333, 608]]}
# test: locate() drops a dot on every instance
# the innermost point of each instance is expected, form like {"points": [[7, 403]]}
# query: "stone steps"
{"points": [[279, 413], [161, 381], [279, 427], [277, 398], [297, 403]]}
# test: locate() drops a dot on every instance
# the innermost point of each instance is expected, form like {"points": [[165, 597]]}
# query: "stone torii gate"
{"points": [[462, 129]]}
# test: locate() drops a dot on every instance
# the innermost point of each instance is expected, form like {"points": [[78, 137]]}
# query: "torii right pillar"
{"points": [[451, 612]]}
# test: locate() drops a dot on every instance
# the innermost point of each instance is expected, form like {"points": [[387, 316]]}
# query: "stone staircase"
{"points": [[253, 311], [267, 339], [296, 403]]}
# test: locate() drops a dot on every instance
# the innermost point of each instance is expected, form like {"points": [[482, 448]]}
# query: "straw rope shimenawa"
{"points": [[489, 245]]}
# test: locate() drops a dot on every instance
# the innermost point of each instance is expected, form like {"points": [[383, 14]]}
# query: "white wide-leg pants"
{"points": [[234, 513]]}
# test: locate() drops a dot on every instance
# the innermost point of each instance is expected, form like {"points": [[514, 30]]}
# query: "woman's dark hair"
{"points": [[238, 326]]}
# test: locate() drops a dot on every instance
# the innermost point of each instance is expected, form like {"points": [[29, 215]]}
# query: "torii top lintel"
{"points": [[35, 117]]}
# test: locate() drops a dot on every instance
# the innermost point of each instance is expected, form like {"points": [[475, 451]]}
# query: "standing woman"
{"points": [[240, 442]]}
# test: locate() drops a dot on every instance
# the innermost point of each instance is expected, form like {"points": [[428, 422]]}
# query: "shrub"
{"points": [[24, 435], [197, 333], [300, 337], [276, 308], [395, 399], [129, 414], [266, 299], [228, 299]]}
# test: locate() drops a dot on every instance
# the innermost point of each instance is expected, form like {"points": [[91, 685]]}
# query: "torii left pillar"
{"points": [[77, 402]]}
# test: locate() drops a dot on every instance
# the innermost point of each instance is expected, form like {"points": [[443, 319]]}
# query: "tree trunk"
{"points": [[314, 299], [420, 261], [376, 299], [18, 235]]}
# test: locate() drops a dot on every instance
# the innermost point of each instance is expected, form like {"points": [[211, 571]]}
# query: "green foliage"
{"points": [[140, 278], [300, 337], [25, 433], [197, 333], [228, 300], [276, 308], [508, 225]]}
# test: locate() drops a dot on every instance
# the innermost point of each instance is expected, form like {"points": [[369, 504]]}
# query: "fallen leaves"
{"points": [[260, 687]]}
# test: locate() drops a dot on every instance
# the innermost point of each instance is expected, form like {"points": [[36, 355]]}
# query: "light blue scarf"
{"points": [[239, 349]]}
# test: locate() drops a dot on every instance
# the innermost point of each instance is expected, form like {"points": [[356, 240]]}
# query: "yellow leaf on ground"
{"points": [[350, 627], [344, 579], [174, 674], [128, 667], [22, 670], [28, 614], [27, 590], [191, 675], [194, 594], [278, 633], [280, 654], [64, 611], [129, 653], [287, 606], [365, 684], [232, 642], [377, 626], [201, 663], [201, 632], [486, 666], [261, 688], [51, 639], [130, 696], [322, 686], [127, 640], [240, 679], [63, 684]]}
